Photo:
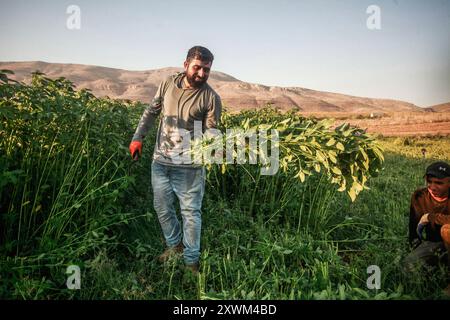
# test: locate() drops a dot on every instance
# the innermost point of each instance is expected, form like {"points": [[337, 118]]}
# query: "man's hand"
{"points": [[424, 219], [136, 149], [421, 225]]}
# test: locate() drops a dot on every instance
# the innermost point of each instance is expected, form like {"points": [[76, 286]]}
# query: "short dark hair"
{"points": [[200, 53]]}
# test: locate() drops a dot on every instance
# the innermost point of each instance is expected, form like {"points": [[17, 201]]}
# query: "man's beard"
{"points": [[191, 79]]}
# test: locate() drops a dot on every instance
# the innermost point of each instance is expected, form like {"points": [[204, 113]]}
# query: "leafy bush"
{"points": [[63, 170]]}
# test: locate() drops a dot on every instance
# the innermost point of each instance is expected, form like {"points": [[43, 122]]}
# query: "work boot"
{"points": [[170, 252], [194, 267], [446, 291]]}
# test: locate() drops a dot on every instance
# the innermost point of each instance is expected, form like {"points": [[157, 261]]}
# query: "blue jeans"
{"points": [[188, 185]]}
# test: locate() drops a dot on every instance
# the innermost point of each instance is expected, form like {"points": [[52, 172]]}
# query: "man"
{"points": [[183, 99], [429, 221]]}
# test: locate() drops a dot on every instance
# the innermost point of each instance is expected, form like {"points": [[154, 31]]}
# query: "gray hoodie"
{"points": [[180, 107]]}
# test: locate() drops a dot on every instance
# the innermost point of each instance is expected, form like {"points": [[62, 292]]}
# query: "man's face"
{"points": [[197, 72], [439, 187]]}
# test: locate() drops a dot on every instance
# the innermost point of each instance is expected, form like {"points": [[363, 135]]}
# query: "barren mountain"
{"points": [[235, 94], [444, 107]]}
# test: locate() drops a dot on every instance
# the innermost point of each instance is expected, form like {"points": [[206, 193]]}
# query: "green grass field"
{"points": [[70, 195], [259, 258]]}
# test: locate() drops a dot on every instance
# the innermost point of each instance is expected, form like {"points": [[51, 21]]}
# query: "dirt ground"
{"points": [[398, 124]]}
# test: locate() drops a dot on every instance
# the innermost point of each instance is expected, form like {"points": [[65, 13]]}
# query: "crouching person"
{"points": [[429, 220]]}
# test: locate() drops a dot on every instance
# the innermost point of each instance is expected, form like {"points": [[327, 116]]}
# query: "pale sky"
{"points": [[318, 44]]}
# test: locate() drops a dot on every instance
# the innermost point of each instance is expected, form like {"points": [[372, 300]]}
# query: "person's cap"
{"points": [[439, 170]]}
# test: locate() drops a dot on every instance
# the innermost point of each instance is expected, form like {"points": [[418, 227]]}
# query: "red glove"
{"points": [[135, 146]]}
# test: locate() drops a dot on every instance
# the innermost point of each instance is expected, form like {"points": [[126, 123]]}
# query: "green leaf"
{"points": [[303, 148], [352, 194], [364, 154], [332, 158], [285, 121], [320, 156], [300, 175], [331, 142], [346, 133], [340, 146], [336, 170], [357, 187], [288, 137]]}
